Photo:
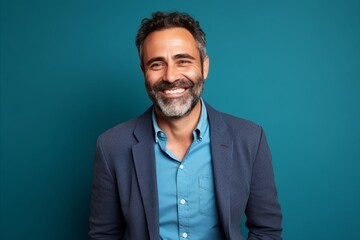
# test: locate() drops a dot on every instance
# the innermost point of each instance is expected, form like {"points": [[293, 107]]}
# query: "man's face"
{"points": [[174, 74]]}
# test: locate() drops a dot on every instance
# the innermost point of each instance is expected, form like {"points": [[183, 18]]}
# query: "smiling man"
{"points": [[181, 170], [172, 55]]}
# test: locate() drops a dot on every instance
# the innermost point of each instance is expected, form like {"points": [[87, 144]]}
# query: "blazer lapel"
{"points": [[221, 152], [144, 161]]}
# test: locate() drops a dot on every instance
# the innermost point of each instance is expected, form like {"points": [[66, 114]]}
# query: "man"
{"points": [[182, 170]]}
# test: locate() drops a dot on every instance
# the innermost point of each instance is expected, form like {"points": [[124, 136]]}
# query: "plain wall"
{"points": [[69, 71]]}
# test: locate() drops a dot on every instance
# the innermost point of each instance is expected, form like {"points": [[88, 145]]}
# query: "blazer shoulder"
{"points": [[233, 123], [239, 122], [121, 129], [124, 132], [243, 129]]}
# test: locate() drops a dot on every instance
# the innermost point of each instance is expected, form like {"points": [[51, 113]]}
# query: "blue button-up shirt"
{"points": [[187, 207]]}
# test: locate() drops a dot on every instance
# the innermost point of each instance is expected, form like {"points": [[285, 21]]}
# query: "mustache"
{"points": [[180, 83]]}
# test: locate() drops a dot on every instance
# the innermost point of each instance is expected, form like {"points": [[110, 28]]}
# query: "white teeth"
{"points": [[174, 91]]}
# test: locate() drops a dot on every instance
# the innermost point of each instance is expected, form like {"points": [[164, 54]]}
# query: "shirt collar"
{"points": [[198, 132]]}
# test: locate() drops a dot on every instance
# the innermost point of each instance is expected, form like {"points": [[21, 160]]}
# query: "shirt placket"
{"points": [[182, 201]]}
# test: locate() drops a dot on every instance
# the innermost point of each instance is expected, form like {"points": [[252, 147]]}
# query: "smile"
{"points": [[174, 91]]}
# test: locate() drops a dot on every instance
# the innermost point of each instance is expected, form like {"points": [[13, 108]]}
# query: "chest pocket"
{"points": [[207, 196]]}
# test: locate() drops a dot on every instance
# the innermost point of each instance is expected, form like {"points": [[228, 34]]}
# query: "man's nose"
{"points": [[171, 73]]}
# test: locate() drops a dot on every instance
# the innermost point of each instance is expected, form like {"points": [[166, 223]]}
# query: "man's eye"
{"points": [[156, 65], [184, 62]]}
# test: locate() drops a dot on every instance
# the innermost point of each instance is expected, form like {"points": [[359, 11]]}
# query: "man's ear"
{"points": [[206, 65]]}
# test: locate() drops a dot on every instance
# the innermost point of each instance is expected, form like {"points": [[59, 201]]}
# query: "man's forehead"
{"points": [[170, 34], [174, 39]]}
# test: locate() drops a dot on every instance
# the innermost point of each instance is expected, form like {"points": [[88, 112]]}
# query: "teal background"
{"points": [[69, 71]]}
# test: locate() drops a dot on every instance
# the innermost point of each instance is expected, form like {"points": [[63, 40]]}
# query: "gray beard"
{"points": [[177, 107]]}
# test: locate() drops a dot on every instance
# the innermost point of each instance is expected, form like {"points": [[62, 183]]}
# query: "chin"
{"points": [[176, 109]]}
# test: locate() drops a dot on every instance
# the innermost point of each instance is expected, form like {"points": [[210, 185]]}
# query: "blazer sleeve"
{"points": [[106, 218], [263, 211]]}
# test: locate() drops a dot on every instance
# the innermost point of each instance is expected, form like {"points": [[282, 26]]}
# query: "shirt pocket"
{"points": [[207, 203]]}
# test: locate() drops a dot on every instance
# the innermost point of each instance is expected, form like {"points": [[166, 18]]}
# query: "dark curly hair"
{"points": [[162, 20]]}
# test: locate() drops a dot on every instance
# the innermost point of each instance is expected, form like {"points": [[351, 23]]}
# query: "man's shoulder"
{"points": [[240, 130], [125, 131], [231, 121], [239, 121], [123, 128]]}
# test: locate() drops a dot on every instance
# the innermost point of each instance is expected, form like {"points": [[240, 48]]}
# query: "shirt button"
{"points": [[181, 166], [184, 235], [182, 201]]}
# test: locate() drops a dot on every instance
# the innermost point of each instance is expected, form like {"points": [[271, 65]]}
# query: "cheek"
{"points": [[193, 73], [153, 77]]}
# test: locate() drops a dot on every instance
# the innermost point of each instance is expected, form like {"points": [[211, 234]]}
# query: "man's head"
{"points": [[161, 21], [173, 61]]}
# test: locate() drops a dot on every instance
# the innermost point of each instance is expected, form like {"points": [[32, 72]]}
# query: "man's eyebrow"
{"points": [[162, 59], [155, 59], [183, 55]]}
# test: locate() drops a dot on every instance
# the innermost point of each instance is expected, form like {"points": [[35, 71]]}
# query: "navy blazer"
{"points": [[124, 193]]}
